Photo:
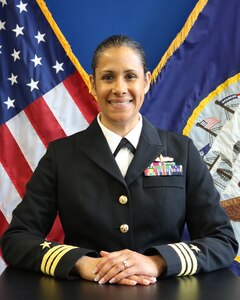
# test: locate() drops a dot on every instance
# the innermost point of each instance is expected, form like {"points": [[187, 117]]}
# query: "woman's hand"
{"points": [[85, 266], [128, 267]]}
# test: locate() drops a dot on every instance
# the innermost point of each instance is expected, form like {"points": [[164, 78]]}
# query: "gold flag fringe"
{"points": [[63, 41], [179, 39]]}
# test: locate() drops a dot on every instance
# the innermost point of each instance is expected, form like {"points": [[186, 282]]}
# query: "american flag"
{"points": [[43, 95], [209, 122]]}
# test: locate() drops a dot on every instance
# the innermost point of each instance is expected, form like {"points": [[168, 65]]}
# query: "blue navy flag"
{"points": [[196, 90], [44, 95]]}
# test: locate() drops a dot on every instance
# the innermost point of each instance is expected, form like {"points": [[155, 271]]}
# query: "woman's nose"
{"points": [[120, 87]]}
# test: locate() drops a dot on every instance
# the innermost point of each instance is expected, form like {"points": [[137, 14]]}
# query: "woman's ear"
{"points": [[147, 82], [92, 85]]}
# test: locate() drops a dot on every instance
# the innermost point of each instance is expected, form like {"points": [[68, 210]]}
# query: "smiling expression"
{"points": [[120, 85]]}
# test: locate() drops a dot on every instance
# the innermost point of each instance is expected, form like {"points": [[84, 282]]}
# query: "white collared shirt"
{"points": [[124, 156]]}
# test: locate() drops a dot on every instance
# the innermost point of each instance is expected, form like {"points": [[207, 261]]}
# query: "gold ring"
{"points": [[125, 263]]}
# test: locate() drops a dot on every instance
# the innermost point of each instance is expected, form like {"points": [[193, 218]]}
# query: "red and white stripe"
{"points": [[210, 122], [64, 110]]}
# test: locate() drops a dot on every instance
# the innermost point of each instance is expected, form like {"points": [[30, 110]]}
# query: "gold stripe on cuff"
{"points": [[187, 257], [52, 258]]}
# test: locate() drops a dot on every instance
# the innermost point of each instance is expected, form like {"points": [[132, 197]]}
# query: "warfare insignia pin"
{"points": [[162, 158]]}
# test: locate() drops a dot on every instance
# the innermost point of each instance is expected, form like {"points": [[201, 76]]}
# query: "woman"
{"points": [[123, 213]]}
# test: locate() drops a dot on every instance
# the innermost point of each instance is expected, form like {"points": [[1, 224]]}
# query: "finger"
{"points": [[101, 263], [127, 281], [130, 274], [138, 279], [104, 253], [111, 264], [150, 278], [143, 280], [106, 258], [109, 260], [108, 272]]}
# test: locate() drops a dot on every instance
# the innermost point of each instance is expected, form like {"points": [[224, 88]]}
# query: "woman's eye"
{"points": [[107, 77], [131, 76]]}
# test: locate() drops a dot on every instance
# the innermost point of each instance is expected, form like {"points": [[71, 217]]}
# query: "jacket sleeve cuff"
{"points": [[179, 257], [60, 260]]}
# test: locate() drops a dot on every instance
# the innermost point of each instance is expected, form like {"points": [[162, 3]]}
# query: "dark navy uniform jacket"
{"points": [[78, 178]]}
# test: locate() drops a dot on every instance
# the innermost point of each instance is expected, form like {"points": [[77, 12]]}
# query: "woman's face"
{"points": [[120, 86]]}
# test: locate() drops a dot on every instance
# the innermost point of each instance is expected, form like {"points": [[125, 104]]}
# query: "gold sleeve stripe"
{"points": [[58, 258], [52, 257], [193, 259], [47, 255], [187, 257], [183, 262]]}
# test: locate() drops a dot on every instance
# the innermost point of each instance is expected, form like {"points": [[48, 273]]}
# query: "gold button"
{"points": [[124, 228], [123, 199]]}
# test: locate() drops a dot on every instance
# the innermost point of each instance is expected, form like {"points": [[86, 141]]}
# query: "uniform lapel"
{"points": [[149, 147], [94, 145]]}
